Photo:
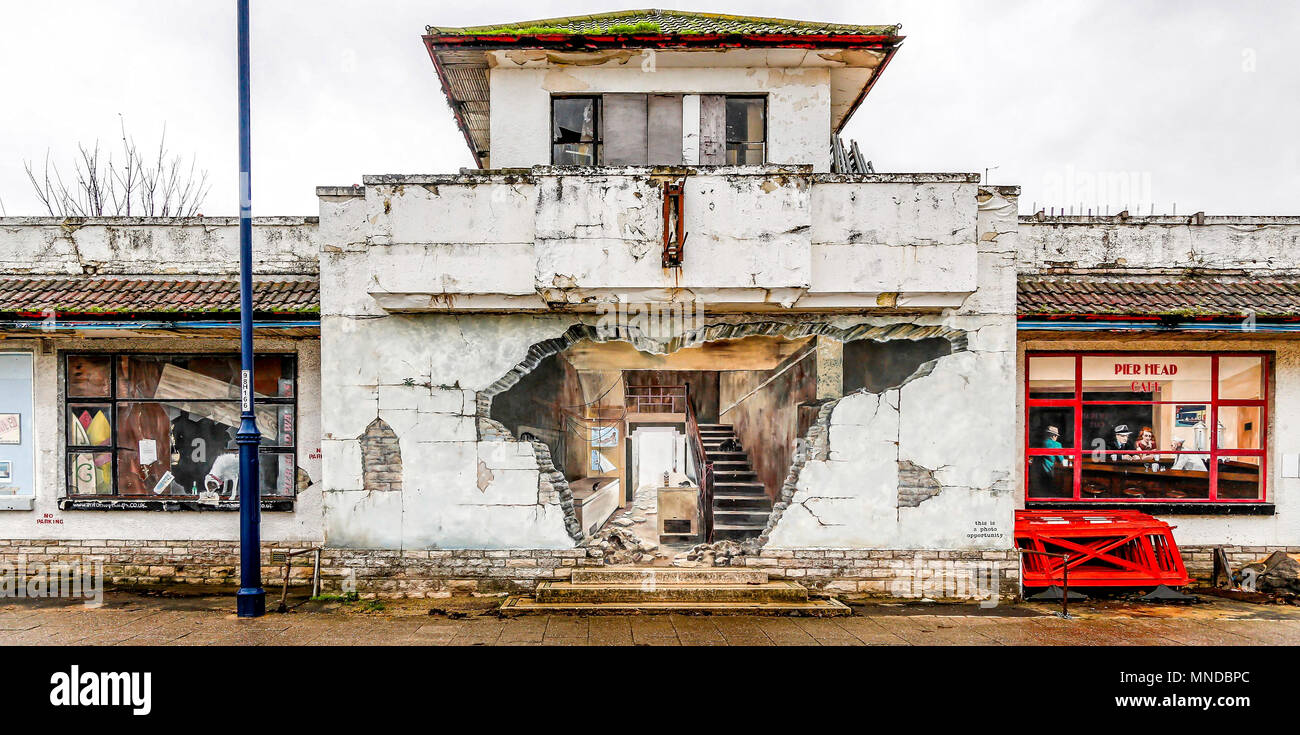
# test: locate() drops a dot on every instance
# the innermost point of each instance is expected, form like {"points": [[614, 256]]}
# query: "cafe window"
{"points": [[142, 426], [746, 130], [575, 140], [1146, 427]]}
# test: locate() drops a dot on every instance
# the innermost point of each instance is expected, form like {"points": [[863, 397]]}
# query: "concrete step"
{"points": [[730, 464], [739, 517], [568, 592], [739, 488], [734, 476], [735, 532], [523, 605], [668, 575], [742, 502]]}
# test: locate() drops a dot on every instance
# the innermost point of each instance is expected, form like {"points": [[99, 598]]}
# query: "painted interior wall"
{"points": [[701, 385], [764, 412]]}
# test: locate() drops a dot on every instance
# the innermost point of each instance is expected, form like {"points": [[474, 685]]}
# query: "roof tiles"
{"points": [[150, 295], [1158, 295]]}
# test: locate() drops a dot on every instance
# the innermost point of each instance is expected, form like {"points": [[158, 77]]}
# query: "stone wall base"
{"points": [[439, 573], [1199, 560]]}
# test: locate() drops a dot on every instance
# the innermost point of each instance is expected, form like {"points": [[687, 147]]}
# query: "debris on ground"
{"points": [[717, 554], [620, 546], [1279, 574]]}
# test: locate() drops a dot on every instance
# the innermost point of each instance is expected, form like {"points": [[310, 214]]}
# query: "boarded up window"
{"points": [[665, 130], [641, 129], [713, 129], [625, 129]]}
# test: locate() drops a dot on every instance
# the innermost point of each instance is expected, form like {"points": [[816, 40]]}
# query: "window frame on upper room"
{"points": [[596, 141], [729, 142]]}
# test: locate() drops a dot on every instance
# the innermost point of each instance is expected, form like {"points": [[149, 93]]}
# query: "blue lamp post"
{"points": [[251, 600]]}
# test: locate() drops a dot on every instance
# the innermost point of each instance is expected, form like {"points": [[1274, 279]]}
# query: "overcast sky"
{"points": [[1093, 103]]}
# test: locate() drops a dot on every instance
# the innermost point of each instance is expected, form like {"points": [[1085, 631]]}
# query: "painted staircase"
{"points": [[669, 590], [740, 502]]}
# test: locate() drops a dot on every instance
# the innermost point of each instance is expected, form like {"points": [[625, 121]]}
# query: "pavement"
{"points": [[130, 619]]}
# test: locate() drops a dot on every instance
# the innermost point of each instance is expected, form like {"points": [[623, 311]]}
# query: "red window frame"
{"points": [[1077, 450]]}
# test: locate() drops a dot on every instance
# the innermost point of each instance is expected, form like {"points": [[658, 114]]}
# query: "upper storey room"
{"points": [[657, 88]]}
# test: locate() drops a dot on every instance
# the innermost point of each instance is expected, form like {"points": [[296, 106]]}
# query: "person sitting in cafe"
{"points": [[1187, 462], [1146, 443], [1119, 442], [1051, 440]]}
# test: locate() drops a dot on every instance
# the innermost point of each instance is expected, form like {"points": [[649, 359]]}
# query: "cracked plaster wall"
{"points": [[953, 419], [109, 246], [1262, 245], [468, 484], [757, 235], [947, 423]]}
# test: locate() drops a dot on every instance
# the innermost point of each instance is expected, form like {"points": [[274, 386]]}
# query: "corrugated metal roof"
{"points": [[678, 21], [1192, 296], [81, 295]]}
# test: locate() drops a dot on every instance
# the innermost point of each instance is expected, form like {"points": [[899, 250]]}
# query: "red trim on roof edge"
{"points": [[580, 41]]}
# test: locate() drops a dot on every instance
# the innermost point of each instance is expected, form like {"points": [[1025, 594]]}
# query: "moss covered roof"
{"points": [[654, 21]]}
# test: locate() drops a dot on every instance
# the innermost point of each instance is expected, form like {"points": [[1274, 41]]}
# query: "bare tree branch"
{"points": [[164, 187]]}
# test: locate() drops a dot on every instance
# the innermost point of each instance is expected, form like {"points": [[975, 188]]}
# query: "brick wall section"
{"points": [[436, 573], [381, 458], [916, 484]]}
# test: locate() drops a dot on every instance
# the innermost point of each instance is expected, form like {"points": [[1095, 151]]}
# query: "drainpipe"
{"points": [[250, 602]]}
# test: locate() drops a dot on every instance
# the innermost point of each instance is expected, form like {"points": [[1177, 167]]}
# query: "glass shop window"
{"points": [[746, 130], [1146, 427], [575, 140], [163, 426]]}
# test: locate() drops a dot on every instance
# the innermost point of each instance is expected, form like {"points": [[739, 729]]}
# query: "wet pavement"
{"points": [[128, 619]]}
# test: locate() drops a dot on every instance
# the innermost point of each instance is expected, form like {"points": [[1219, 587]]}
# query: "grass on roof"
{"points": [[617, 28]]}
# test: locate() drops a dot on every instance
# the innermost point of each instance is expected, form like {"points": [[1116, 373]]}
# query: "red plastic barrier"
{"points": [[1107, 548]]}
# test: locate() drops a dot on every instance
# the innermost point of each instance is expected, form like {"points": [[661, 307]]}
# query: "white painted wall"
{"points": [[799, 105], [766, 236], [154, 245], [1259, 244]]}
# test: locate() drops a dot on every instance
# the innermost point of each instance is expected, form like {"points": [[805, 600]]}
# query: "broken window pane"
{"points": [[746, 130], [574, 141]]}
